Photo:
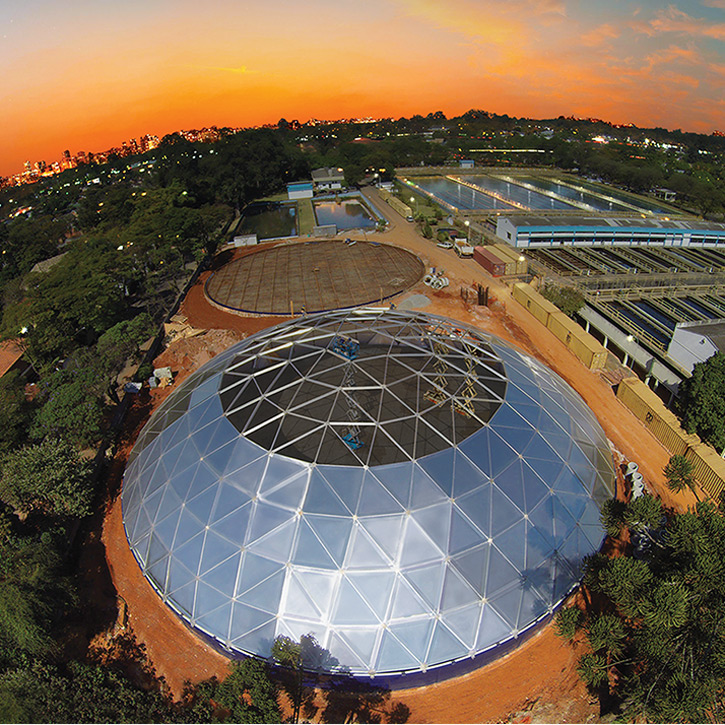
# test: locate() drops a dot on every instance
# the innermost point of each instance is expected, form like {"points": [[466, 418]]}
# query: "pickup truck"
{"points": [[463, 248]]}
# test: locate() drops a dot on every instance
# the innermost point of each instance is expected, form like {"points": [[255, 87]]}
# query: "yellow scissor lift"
{"points": [[462, 403]]}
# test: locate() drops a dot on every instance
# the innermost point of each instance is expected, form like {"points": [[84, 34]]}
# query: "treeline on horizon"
{"points": [[692, 168]]}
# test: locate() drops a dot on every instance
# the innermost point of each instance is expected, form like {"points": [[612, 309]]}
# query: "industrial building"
{"points": [[535, 230], [328, 179]]}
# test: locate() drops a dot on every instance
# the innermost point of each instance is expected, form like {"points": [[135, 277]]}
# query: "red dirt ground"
{"points": [[535, 683]]}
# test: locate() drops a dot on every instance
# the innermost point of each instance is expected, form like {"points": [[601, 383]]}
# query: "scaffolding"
{"points": [[349, 349]]}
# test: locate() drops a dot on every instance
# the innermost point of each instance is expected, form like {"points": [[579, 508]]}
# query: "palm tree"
{"points": [[680, 475]]}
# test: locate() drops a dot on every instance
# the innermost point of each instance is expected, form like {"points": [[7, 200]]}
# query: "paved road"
{"points": [[405, 234]]}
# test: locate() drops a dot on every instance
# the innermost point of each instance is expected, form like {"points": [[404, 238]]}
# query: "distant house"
{"points": [[300, 190], [665, 194], [466, 163], [328, 179], [695, 342], [47, 264], [11, 355]]}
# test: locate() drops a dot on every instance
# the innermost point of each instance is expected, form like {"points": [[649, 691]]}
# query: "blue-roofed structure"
{"points": [[300, 190]]}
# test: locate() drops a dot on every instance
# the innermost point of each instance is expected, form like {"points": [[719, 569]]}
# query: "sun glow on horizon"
{"points": [[94, 74]]}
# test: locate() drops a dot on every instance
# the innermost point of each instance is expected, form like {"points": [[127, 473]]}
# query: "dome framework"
{"points": [[410, 490]]}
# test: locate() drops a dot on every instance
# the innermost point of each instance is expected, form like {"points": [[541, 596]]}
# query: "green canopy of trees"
{"points": [[69, 408], [656, 644], [15, 412], [702, 401], [82, 693], [34, 593], [246, 695], [568, 299], [50, 477]]}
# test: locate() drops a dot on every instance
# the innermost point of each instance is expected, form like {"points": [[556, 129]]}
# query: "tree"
{"points": [[69, 407], [113, 349], [15, 412], [658, 623], [567, 621], [567, 299], [83, 693], [49, 477], [33, 593], [679, 473], [702, 401], [246, 695]]}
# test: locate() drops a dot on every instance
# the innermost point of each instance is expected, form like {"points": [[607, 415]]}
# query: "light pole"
{"points": [[468, 231], [412, 200]]}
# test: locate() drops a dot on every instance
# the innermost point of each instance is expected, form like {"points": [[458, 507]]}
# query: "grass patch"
{"points": [[305, 216], [282, 196]]}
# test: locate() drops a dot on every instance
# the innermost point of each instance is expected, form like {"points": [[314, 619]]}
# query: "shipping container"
{"points": [[661, 422], [402, 208], [587, 349], [537, 305], [489, 261], [521, 264], [505, 258], [708, 467]]}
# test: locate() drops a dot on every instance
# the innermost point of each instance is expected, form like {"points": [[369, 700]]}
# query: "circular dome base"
{"points": [[438, 558], [314, 276]]}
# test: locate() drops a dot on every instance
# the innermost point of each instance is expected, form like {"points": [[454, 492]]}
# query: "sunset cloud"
{"points": [[93, 74], [674, 20]]}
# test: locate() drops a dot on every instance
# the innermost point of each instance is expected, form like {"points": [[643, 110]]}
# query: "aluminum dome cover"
{"points": [[410, 490]]}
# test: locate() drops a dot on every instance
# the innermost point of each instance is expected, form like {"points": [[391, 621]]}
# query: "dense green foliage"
{"points": [[15, 412], [656, 642], [702, 401], [50, 477], [246, 695], [82, 693], [34, 592], [568, 299], [68, 408]]}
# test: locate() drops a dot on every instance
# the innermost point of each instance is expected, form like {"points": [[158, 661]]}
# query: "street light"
{"points": [[468, 230]]}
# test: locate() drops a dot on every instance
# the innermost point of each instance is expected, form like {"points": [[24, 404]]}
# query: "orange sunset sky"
{"points": [[88, 74]]}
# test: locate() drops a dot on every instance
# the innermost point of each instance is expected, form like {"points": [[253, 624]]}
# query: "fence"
{"points": [[708, 466], [585, 346]]}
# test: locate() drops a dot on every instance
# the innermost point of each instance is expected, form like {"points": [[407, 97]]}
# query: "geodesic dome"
{"points": [[411, 491]]}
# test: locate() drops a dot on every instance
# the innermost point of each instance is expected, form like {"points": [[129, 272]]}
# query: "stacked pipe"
{"points": [[436, 279], [635, 478]]}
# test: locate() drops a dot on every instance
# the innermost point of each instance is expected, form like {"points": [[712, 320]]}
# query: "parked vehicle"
{"points": [[463, 248]]}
